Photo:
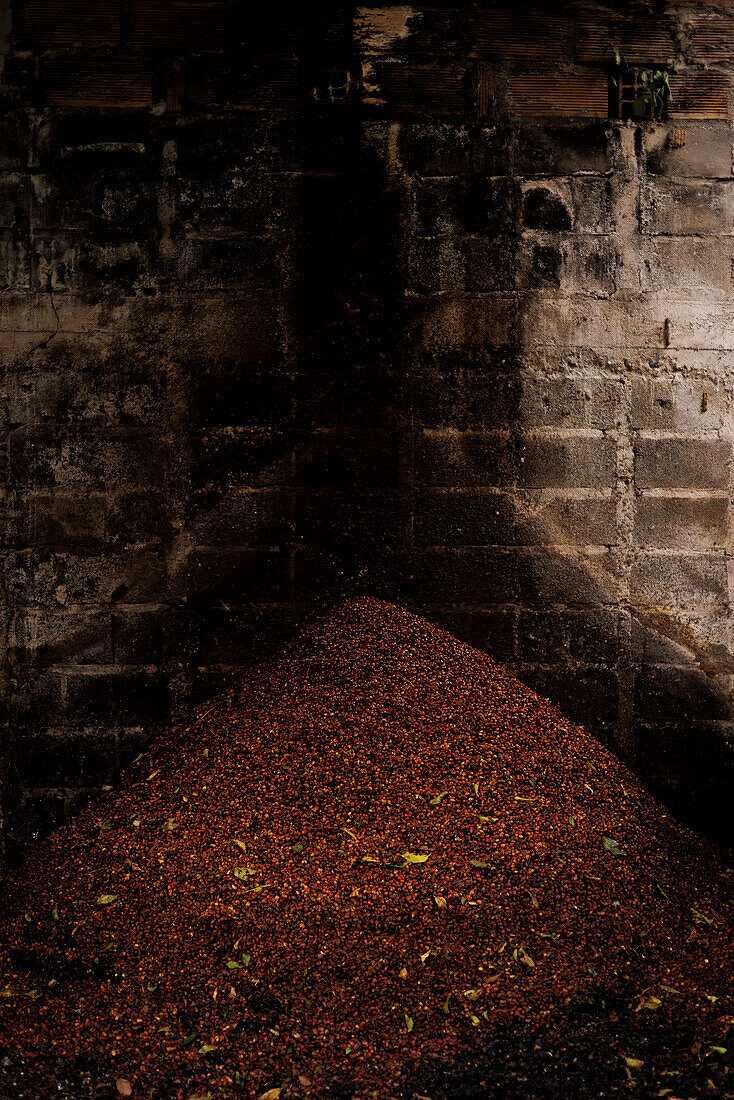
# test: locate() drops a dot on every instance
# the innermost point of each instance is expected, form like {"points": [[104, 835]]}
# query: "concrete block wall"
{"points": [[362, 298]]}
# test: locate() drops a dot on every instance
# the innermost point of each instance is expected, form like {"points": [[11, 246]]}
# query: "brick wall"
{"points": [[362, 299]]}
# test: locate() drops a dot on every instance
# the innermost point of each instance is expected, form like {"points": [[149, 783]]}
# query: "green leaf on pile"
{"points": [[243, 873], [521, 955]]}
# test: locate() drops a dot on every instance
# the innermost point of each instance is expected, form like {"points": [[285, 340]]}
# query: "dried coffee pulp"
{"points": [[377, 866]]}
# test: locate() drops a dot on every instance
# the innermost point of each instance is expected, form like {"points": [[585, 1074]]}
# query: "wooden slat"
{"points": [[642, 42], [525, 34], [57, 24], [178, 24], [713, 40], [272, 84], [398, 86], [108, 83], [485, 90], [553, 95], [700, 94]]}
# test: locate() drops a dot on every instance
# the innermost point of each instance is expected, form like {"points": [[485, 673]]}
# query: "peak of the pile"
{"points": [[357, 624], [365, 616]]}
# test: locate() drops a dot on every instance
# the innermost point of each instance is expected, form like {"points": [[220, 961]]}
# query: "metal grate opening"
{"points": [[626, 85]]}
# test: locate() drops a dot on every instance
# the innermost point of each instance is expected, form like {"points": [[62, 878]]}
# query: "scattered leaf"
{"points": [[416, 857], [236, 964], [55, 913], [351, 834], [241, 845], [634, 1063], [206, 1048], [169, 826], [521, 955], [408, 1024], [123, 1086], [440, 902], [611, 846], [297, 848], [369, 859], [701, 918], [649, 1004], [479, 863], [243, 873], [438, 799], [717, 1050], [106, 899], [271, 1094]]}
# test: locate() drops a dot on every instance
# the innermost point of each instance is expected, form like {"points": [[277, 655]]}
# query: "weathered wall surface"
{"points": [[362, 298]]}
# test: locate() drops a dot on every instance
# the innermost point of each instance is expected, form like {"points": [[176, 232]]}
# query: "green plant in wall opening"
{"points": [[642, 92]]}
